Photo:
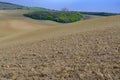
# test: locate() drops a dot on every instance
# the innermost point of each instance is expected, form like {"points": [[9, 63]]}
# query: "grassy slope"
{"points": [[4, 6], [38, 49], [11, 6]]}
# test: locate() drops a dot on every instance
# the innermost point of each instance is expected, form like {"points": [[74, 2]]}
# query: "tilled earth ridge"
{"points": [[82, 56]]}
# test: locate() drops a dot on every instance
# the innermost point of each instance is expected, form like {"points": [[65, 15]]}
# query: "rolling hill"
{"points": [[84, 50], [46, 50], [9, 6]]}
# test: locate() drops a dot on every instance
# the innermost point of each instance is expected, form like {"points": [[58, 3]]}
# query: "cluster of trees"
{"points": [[58, 16], [99, 13]]}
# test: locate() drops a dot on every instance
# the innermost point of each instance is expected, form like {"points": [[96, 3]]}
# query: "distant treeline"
{"points": [[99, 13], [58, 16]]}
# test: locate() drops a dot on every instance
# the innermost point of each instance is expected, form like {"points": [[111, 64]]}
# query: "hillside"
{"points": [[6, 6], [35, 50], [11, 6], [99, 13]]}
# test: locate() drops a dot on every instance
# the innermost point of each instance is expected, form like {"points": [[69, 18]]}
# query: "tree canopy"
{"points": [[58, 16]]}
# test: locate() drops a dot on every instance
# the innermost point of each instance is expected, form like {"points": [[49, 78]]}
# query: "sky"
{"points": [[76, 5]]}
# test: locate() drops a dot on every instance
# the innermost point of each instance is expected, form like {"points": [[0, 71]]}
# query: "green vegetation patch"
{"points": [[99, 13], [58, 16]]}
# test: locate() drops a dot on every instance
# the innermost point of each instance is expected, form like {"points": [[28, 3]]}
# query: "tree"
{"points": [[64, 9]]}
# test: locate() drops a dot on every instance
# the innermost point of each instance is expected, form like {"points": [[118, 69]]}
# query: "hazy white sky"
{"points": [[81, 5]]}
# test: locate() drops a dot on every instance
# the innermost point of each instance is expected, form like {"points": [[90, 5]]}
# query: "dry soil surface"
{"points": [[46, 50]]}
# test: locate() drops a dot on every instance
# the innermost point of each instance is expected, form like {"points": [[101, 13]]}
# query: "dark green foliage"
{"points": [[99, 13], [58, 16], [36, 9]]}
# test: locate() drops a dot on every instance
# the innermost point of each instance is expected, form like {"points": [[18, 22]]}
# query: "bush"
{"points": [[58, 16]]}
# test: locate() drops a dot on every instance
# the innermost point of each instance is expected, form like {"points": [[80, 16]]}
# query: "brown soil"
{"points": [[46, 50]]}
